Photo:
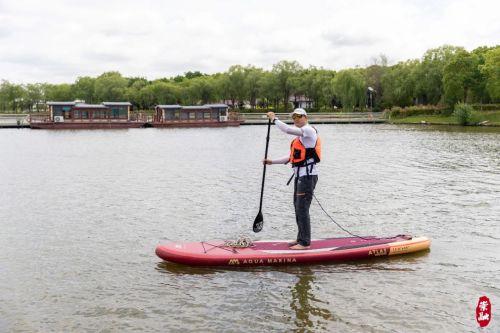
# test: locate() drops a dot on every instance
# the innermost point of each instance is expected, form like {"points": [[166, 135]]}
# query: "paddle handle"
{"points": [[264, 169]]}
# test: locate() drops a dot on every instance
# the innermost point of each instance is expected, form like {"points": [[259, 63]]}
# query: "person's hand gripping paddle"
{"points": [[259, 219]]}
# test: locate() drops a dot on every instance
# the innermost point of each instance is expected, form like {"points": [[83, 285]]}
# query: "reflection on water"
{"points": [[81, 213], [455, 129], [308, 312], [173, 268]]}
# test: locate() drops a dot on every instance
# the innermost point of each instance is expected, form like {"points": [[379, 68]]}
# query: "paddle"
{"points": [[259, 219]]}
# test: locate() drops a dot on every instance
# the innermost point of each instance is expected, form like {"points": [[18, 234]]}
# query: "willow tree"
{"points": [[110, 87], [398, 84], [253, 84], [270, 90], [134, 93], [286, 74], [430, 75], [158, 92], [491, 70], [59, 92], [478, 91], [201, 89], [84, 89], [350, 87], [459, 76], [314, 83], [232, 84], [373, 75], [10, 96], [34, 96], [165, 92]]}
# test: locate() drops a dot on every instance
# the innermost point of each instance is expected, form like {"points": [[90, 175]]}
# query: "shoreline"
{"points": [[478, 119]]}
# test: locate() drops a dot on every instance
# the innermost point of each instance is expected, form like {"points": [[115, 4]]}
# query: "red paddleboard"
{"points": [[263, 253]]}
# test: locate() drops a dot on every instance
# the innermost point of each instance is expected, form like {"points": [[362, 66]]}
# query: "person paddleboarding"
{"points": [[305, 153]]}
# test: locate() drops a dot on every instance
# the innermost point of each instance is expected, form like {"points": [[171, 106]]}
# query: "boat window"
{"points": [[169, 114], [57, 111]]}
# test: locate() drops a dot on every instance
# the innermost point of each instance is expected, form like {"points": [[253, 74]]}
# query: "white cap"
{"points": [[299, 111]]}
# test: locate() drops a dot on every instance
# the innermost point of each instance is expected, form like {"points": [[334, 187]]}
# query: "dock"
{"points": [[319, 118], [21, 120], [14, 121]]}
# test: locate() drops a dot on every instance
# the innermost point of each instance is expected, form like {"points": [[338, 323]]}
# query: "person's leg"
{"points": [[303, 198], [295, 208]]}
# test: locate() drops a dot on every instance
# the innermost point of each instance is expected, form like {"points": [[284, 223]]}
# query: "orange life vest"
{"points": [[300, 154]]}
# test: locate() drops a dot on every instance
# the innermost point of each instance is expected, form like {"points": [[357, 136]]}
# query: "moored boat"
{"points": [[79, 115], [208, 115]]}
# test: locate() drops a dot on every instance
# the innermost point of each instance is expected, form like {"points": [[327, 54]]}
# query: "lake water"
{"points": [[81, 213]]}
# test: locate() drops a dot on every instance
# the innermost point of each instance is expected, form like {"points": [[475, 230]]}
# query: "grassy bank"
{"points": [[488, 118]]}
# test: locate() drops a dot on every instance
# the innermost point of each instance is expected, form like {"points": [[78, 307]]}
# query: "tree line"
{"points": [[442, 76]]}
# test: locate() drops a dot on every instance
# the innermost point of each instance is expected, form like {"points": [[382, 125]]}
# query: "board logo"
{"points": [[234, 262], [379, 252], [483, 311], [399, 249]]}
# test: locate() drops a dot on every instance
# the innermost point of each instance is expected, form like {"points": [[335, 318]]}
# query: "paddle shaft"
{"points": [[264, 170]]}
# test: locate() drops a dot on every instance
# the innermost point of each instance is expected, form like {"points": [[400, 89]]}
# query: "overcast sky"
{"points": [[57, 41]]}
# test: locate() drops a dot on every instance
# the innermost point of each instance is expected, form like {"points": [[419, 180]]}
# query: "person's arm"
{"points": [[282, 160], [284, 127], [287, 128]]}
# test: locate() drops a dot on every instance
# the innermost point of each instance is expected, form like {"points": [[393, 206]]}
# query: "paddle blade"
{"points": [[258, 223]]}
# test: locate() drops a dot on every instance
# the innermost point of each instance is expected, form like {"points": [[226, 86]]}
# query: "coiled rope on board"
{"points": [[242, 242]]}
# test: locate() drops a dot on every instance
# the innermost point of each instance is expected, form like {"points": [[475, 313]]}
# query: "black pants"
{"points": [[302, 197]]}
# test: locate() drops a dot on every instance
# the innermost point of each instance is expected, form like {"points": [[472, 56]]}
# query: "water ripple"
{"points": [[82, 211]]}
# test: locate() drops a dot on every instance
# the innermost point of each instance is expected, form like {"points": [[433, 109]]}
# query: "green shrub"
{"points": [[486, 107], [463, 113], [396, 112], [417, 110], [446, 112], [386, 114]]}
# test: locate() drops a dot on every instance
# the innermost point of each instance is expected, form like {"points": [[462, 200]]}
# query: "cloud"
{"points": [[114, 32], [4, 32], [5, 25], [344, 40], [34, 61], [57, 40], [106, 56]]}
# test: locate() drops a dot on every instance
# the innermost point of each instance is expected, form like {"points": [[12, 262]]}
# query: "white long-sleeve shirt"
{"points": [[308, 136]]}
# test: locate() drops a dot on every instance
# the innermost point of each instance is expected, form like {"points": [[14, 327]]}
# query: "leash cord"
{"points": [[338, 225], [242, 242]]}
